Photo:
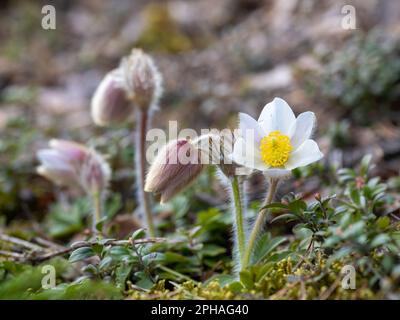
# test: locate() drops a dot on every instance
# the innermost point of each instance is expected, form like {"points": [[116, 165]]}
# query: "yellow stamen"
{"points": [[275, 149]]}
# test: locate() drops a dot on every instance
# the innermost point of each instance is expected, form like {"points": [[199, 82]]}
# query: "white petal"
{"points": [[53, 159], [307, 153], [58, 176], [303, 129], [69, 150], [246, 155], [277, 115], [250, 128]]}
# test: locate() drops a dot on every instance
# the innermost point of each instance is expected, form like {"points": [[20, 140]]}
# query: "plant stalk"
{"points": [[140, 160], [240, 235], [97, 208], [258, 225]]}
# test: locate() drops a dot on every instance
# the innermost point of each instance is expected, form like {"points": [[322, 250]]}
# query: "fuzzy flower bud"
{"points": [[216, 149], [71, 164], [174, 168], [141, 78], [110, 103], [95, 173]]}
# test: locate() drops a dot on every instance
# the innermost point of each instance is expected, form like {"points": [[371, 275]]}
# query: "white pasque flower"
{"points": [[278, 142]]}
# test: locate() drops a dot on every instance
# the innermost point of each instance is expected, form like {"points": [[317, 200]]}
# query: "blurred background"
{"points": [[217, 58]]}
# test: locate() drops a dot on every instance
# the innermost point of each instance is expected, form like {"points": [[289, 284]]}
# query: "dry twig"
{"points": [[39, 254]]}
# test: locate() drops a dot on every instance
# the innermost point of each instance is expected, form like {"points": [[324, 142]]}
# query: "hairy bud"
{"points": [[141, 78], [95, 173], [70, 164], [175, 167], [110, 103], [216, 149]]}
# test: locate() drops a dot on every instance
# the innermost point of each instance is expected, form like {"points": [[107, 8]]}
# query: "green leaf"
{"points": [[262, 270], [235, 286], [379, 240], [105, 263], [297, 206], [222, 279], [265, 246], [81, 254], [171, 257], [383, 222], [97, 248], [396, 271], [100, 223], [90, 268], [279, 256], [154, 257], [341, 253], [285, 216], [104, 241], [355, 196], [119, 251], [247, 279], [194, 232], [212, 250], [145, 281], [138, 234], [113, 205], [121, 274], [365, 164], [354, 229], [275, 205], [64, 221]]}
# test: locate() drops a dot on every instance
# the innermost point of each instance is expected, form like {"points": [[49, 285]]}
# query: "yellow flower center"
{"points": [[275, 149]]}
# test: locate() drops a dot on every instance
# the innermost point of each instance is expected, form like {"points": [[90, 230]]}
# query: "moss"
{"points": [[310, 282], [274, 285]]}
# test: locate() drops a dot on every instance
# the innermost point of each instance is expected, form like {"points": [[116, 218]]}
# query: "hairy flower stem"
{"points": [[142, 196], [97, 208], [239, 230], [258, 225]]}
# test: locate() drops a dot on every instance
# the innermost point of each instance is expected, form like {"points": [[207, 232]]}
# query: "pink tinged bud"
{"points": [[71, 164], [70, 151], [175, 167], [142, 79], [59, 176], [54, 159], [110, 103], [95, 173], [57, 168]]}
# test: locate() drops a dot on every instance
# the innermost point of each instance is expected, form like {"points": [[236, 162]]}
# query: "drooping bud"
{"points": [[216, 149], [59, 163], [141, 78], [71, 164], [71, 151], [95, 173], [110, 103], [174, 168], [59, 176]]}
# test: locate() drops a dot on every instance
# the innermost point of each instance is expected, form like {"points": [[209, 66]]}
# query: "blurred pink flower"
{"points": [[71, 164], [110, 103]]}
